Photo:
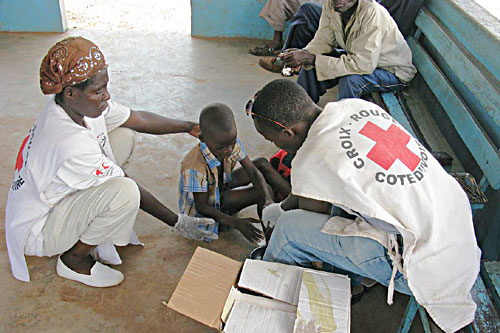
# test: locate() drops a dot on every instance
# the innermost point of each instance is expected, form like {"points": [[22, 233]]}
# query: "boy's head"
{"points": [[218, 129]]}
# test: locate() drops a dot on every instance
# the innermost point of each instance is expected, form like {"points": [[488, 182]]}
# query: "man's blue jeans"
{"points": [[350, 86], [298, 240]]}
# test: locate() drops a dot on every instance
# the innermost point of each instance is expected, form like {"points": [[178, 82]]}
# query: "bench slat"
{"points": [[483, 44], [397, 112], [491, 276], [484, 87], [477, 141], [486, 319]]}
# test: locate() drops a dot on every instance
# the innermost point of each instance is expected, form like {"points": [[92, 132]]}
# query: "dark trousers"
{"points": [[350, 86], [303, 26]]}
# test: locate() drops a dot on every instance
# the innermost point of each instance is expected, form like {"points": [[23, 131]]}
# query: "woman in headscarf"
{"points": [[69, 196]]}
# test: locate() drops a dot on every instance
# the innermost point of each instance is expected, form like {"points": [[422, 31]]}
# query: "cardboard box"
{"points": [[269, 297]]}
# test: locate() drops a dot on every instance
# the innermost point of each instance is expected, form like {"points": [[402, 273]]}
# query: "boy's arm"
{"points": [[243, 225], [257, 180]]}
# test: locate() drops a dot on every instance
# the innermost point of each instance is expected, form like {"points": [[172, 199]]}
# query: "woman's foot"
{"points": [[81, 265], [100, 275]]}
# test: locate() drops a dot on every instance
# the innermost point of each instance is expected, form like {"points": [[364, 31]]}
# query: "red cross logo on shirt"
{"points": [[20, 160], [390, 146], [100, 171]]}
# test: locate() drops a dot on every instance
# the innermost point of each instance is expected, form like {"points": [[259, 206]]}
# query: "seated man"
{"points": [[377, 57], [206, 174], [69, 196], [409, 223], [276, 13]]}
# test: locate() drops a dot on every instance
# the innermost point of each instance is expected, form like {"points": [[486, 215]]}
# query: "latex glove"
{"points": [[198, 228], [270, 214]]}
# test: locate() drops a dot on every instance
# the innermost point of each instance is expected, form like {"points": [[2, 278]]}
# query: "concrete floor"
{"points": [[173, 75]]}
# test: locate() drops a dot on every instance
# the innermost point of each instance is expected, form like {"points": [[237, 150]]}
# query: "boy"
{"points": [[206, 173]]}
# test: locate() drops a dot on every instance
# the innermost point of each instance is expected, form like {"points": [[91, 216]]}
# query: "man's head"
{"points": [[75, 70], [218, 129], [282, 113], [342, 6]]}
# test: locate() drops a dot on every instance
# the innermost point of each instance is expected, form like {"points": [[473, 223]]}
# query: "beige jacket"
{"points": [[371, 39]]}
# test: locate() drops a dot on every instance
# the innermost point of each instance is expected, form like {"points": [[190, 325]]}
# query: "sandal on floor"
{"points": [[266, 50]]}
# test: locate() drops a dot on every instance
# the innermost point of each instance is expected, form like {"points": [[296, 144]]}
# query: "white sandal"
{"points": [[100, 275]]}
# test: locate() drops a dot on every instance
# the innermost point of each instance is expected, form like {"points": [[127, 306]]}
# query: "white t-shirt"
{"points": [[79, 171]]}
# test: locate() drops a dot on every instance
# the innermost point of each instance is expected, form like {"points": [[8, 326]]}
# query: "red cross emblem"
{"points": [[20, 160], [390, 146], [100, 171]]}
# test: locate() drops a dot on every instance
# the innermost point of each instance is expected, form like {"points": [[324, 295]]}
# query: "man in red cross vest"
{"points": [[369, 199]]}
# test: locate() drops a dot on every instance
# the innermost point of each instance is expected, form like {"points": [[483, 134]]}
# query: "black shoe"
{"points": [[357, 293], [443, 158]]}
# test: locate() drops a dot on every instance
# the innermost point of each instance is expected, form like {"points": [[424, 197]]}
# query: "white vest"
{"points": [[53, 139], [358, 157]]}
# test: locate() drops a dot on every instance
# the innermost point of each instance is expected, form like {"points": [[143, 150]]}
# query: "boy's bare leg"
{"points": [[234, 200], [273, 177], [239, 177]]}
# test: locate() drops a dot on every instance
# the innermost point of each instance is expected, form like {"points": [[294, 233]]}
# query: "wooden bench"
{"points": [[458, 85]]}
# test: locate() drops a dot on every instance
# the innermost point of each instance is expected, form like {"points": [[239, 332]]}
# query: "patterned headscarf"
{"points": [[69, 62]]}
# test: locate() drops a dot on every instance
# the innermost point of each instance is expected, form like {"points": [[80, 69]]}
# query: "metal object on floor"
{"points": [[258, 253]]}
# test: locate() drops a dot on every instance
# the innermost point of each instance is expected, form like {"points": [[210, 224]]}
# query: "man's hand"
{"points": [[246, 227], [295, 58], [195, 228], [195, 130]]}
